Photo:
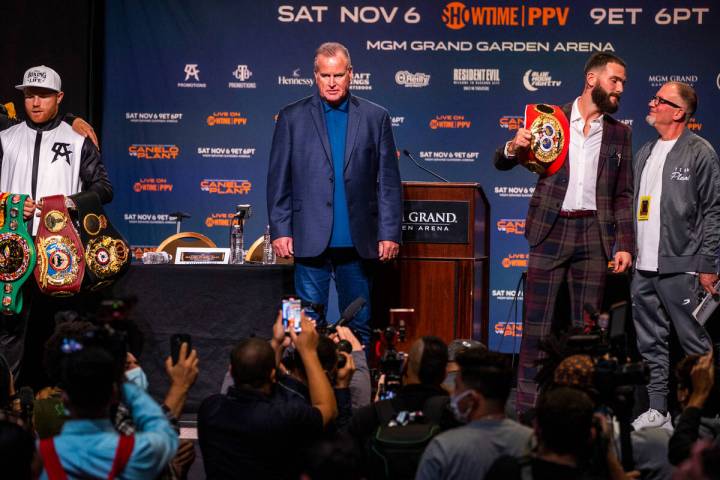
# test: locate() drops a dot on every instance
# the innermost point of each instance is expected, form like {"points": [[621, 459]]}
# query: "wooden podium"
{"points": [[442, 271]]}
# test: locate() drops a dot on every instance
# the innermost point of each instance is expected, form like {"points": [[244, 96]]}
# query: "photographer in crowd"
{"points": [[292, 380], [49, 415], [481, 391], [699, 419], [649, 446], [255, 432], [422, 376], [89, 445], [360, 385], [566, 429]]}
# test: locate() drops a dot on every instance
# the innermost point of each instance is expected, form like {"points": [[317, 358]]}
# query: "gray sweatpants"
{"points": [[658, 300]]}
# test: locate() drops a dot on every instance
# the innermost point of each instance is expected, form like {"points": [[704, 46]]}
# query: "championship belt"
{"points": [[107, 254], [550, 140], [60, 266], [17, 252]]}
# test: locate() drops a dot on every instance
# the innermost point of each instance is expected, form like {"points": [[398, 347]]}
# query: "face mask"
{"points": [[462, 417], [449, 382], [138, 377]]}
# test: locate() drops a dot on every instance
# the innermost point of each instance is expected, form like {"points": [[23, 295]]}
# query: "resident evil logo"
{"points": [[61, 150]]}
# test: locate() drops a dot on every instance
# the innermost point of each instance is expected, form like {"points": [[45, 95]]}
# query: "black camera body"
{"points": [[392, 361]]}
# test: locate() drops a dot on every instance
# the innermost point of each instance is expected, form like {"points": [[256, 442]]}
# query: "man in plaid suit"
{"points": [[580, 217]]}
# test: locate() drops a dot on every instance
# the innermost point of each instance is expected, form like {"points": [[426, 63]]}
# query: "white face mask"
{"points": [[137, 376], [460, 416]]}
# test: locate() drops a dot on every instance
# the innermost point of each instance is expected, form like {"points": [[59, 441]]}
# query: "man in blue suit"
{"points": [[333, 188]]}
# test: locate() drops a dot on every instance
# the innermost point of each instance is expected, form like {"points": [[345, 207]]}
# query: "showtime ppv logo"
{"points": [[152, 185], [694, 125], [513, 226], [516, 260], [219, 220], [154, 152], [412, 80], [225, 187], [511, 122], [449, 121], [226, 118], [457, 16]]}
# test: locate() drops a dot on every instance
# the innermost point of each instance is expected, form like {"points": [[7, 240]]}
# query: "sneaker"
{"points": [[653, 418]]}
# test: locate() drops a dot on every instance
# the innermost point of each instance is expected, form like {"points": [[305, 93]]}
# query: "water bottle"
{"points": [[237, 256], [268, 252]]}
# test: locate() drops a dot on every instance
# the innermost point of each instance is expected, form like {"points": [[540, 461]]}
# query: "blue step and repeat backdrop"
{"points": [[192, 90]]}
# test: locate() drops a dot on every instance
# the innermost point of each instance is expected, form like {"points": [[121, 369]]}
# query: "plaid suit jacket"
{"points": [[614, 190]]}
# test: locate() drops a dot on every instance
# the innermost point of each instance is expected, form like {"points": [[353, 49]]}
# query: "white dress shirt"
{"points": [[583, 157]]}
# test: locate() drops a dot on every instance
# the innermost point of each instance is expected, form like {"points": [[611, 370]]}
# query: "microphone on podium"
{"points": [[409, 155]]}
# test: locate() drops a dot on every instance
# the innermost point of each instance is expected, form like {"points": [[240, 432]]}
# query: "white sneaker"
{"points": [[653, 418]]}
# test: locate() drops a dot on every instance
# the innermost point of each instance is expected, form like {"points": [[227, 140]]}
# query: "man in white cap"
{"points": [[44, 156], [39, 157]]}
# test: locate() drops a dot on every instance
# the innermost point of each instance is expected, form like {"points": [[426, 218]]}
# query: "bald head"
{"points": [[252, 362]]}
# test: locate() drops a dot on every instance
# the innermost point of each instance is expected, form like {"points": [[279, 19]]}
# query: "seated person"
{"points": [[481, 390]]}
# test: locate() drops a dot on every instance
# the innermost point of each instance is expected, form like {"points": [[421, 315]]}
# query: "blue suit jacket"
{"points": [[300, 180]]}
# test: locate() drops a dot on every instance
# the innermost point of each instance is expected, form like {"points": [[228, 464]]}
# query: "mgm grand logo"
{"points": [[424, 221], [435, 221]]}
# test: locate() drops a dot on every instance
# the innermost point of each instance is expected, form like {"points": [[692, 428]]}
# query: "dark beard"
{"points": [[602, 100]]}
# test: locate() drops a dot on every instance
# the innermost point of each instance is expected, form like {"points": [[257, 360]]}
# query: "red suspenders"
{"points": [[54, 468]]}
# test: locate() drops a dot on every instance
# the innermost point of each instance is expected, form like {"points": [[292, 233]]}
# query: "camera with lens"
{"points": [[392, 361], [615, 375]]}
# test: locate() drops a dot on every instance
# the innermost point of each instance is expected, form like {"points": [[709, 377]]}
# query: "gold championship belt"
{"points": [[550, 140], [107, 254], [60, 266]]}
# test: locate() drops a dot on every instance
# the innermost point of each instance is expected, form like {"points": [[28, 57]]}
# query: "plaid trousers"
{"points": [[571, 252]]}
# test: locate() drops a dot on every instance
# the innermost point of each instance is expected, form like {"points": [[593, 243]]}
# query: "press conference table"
{"points": [[216, 304]]}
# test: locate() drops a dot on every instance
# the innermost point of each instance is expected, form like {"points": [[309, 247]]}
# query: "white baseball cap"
{"points": [[42, 77]]}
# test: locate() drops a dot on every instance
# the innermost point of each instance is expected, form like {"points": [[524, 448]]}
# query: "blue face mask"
{"points": [[138, 377]]}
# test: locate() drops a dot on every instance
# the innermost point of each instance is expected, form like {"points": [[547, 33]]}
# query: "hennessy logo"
{"points": [[61, 150]]}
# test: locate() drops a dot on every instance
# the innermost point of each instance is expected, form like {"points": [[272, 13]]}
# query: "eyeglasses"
{"points": [[658, 100]]}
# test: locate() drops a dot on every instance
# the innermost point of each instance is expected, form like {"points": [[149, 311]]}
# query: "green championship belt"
{"points": [[17, 252], [107, 254]]}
